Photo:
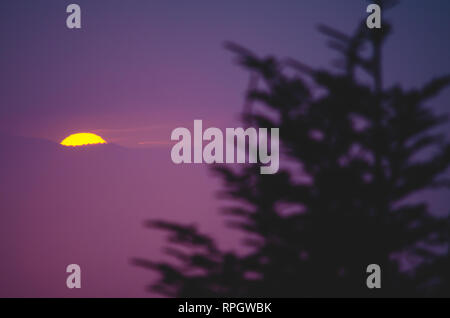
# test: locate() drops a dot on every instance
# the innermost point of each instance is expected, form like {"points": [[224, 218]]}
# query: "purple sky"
{"points": [[135, 71]]}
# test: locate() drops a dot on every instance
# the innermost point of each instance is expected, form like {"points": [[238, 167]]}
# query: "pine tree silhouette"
{"points": [[354, 153]]}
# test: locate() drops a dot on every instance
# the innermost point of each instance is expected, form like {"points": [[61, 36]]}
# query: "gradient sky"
{"points": [[137, 69]]}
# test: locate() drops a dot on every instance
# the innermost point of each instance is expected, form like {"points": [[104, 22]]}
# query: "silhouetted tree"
{"points": [[354, 154]]}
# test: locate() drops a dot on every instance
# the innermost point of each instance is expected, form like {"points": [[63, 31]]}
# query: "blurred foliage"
{"points": [[364, 151]]}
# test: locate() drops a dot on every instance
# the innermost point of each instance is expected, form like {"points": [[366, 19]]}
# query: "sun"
{"points": [[82, 139]]}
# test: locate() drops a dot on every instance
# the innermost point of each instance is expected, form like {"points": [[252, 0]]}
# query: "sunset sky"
{"points": [[138, 69], [135, 71]]}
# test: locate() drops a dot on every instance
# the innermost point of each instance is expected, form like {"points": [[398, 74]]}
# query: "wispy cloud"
{"points": [[156, 143]]}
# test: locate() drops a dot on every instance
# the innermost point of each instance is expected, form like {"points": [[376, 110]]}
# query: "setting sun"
{"points": [[82, 139]]}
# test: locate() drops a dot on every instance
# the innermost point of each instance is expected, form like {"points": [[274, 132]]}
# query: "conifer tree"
{"points": [[354, 154]]}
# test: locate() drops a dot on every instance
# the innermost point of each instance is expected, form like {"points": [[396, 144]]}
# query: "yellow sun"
{"points": [[82, 139]]}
